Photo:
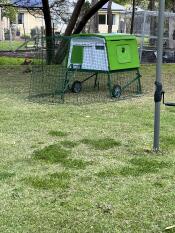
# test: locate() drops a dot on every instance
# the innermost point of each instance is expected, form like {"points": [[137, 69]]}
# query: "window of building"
{"points": [[20, 18], [102, 19], [113, 19]]}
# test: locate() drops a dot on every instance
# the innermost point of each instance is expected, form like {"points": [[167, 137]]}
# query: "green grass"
{"points": [[13, 45], [87, 168], [53, 153], [57, 133], [101, 144], [7, 45], [5, 175], [57, 154], [69, 144], [50, 181], [11, 61]]}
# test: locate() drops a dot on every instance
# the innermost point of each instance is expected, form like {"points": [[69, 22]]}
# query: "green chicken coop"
{"points": [[108, 53]]}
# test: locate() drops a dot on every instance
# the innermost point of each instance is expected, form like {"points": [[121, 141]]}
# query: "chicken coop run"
{"points": [[145, 29], [94, 63], [104, 53]]}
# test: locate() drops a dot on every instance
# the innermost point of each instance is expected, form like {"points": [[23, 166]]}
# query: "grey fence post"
{"points": [[158, 75]]}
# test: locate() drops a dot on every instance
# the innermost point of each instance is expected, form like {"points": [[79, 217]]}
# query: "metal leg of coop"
{"points": [[96, 82], [136, 79], [66, 81], [65, 86], [139, 86], [109, 84]]}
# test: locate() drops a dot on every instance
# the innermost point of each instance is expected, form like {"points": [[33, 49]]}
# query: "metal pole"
{"points": [[143, 36], [158, 84]]}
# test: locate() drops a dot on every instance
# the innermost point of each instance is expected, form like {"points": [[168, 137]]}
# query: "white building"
{"points": [[117, 13]]}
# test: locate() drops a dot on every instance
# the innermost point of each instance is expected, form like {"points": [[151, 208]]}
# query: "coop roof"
{"points": [[108, 36]]}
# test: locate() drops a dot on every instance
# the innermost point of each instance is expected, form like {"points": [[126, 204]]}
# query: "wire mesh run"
{"points": [[52, 82], [145, 28]]}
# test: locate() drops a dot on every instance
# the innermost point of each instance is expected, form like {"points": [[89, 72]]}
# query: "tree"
{"points": [[133, 16], [48, 28], [88, 15], [109, 16], [94, 21], [61, 52]]}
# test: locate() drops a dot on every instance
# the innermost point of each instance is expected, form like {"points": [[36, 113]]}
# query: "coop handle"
{"points": [[158, 92]]}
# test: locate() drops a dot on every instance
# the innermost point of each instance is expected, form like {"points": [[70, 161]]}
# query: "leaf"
{"points": [[170, 227]]}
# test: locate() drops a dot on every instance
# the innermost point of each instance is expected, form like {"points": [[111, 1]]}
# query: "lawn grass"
{"points": [[9, 61], [13, 45], [62, 171], [10, 45]]}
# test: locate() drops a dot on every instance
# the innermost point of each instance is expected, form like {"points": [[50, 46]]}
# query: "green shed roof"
{"points": [[109, 36]]}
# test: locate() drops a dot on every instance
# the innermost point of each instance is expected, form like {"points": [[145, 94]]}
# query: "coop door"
{"points": [[77, 55], [95, 58], [88, 62], [123, 54]]}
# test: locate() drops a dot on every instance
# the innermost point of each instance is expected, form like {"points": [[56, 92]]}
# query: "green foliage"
{"points": [[9, 11]]}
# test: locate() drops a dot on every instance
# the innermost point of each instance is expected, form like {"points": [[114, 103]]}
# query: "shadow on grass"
{"points": [[101, 144], [137, 167], [51, 181], [56, 154]]}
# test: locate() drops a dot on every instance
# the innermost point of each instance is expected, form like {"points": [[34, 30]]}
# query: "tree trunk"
{"points": [[62, 50], [74, 17], [109, 16], [48, 26], [94, 23], [173, 6], [151, 7], [88, 15], [133, 16], [1, 27]]}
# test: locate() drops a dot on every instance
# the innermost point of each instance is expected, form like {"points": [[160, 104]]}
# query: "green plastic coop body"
{"points": [[103, 52]]}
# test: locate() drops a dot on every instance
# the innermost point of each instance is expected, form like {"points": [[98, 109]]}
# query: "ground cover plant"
{"points": [[86, 168]]}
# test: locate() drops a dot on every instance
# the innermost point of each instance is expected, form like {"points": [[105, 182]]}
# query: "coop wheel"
{"points": [[116, 91], [76, 87]]}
